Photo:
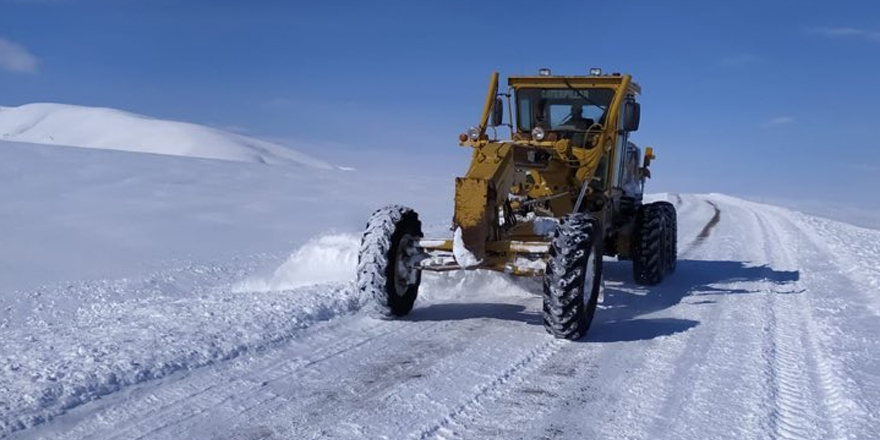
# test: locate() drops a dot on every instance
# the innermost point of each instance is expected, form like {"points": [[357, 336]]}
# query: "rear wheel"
{"points": [[650, 244], [671, 222], [388, 260], [573, 277]]}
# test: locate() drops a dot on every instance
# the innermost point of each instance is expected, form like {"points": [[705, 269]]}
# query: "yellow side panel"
{"points": [[471, 199]]}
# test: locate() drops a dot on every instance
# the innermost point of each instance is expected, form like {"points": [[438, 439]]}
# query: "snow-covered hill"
{"points": [[105, 128], [74, 213], [250, 327]]}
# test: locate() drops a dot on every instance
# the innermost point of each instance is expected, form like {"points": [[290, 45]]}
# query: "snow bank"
{"points": [[328, 258], [106, 128], [125, 332]]}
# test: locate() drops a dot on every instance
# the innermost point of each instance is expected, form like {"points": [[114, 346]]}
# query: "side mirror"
{"points": [[631, 115], [497, 112]]}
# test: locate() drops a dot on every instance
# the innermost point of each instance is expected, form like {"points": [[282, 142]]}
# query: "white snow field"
{"points": [[150, 297], [77, 213]]}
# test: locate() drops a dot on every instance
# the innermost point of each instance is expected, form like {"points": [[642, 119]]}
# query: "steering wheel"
{"points": [[595, 127]]}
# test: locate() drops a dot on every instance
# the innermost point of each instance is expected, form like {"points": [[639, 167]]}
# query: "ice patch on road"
{"points": [[324, 259]]}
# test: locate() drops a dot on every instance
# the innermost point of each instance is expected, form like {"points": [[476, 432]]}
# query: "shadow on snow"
{"points": [[619, 317]]}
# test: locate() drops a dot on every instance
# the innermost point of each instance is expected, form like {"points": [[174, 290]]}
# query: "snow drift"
{"points": [[325, 259], [111, 129]]}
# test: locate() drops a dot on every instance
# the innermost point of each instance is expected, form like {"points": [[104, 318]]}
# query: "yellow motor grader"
{"points": [[560, 192]]}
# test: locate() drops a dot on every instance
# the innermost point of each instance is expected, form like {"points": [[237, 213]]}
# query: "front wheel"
{"points": [[573, 277], [388, 260]]}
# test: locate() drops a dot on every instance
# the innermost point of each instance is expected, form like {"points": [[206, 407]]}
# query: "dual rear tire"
{"points": [[655, 248], [573, 276]]}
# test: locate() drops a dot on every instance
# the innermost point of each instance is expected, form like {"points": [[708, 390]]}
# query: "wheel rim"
{"points": [[405, 272]]}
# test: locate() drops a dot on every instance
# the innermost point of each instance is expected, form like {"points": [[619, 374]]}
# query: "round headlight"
{"points": [[474, 133], [538, 134]]}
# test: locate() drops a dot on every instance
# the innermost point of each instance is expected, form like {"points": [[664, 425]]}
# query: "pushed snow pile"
{"points": [[463, 255], [325, 259], [475, 286], [111, 129]]}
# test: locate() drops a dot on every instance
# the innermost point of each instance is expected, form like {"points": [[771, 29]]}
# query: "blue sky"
{"points": [[777, 99]]}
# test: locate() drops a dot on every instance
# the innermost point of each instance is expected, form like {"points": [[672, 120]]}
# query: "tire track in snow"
{"points": [[354, 391], [677, 201], [710, 225], [490, 390], [708, 366], [294, 379], [469, 354], [182, 400], [703, 235], [795, 414], [652, 387], [840, 404]]}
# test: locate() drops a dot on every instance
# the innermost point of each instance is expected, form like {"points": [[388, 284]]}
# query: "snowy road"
{"points": [[768, 329]]}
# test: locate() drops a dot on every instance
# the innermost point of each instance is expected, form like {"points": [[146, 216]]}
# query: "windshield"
{"points": [[561, 109]]}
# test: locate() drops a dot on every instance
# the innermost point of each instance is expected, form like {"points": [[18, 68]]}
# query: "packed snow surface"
{"points": [[106, 128], [767, 329]]}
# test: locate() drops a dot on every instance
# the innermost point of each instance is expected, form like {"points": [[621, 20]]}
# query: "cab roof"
{"points": [[557, 81]]}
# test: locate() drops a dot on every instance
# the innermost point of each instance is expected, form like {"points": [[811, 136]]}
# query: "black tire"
{"points": [[649, 245], [377, 274], [573, 277], [671, 222]]}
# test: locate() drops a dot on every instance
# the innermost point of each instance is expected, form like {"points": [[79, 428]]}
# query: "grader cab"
{"points": [[561, 190]]}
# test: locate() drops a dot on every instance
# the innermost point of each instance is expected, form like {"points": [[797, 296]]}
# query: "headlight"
{"points": [[538, 134], [474, 133]]}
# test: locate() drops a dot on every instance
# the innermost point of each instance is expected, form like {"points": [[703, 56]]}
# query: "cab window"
{"points": [[556, 109]]}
